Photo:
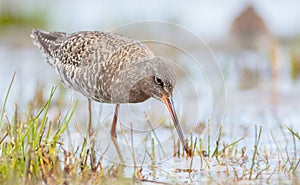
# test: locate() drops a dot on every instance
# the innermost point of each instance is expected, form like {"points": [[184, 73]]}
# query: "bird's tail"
{"points": [[47, 41]]}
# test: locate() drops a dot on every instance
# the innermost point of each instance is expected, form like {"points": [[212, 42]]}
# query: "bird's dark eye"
{"points": [[158, 81]]}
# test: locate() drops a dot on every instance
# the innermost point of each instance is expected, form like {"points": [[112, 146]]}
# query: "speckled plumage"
{"points": [[111, 68], [94, 64]]}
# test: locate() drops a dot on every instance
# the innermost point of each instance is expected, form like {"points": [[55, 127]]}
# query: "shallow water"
{"points": [[271, 106]]}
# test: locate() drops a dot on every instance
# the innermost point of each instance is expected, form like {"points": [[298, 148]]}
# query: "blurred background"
{"points": [[248, 51]]}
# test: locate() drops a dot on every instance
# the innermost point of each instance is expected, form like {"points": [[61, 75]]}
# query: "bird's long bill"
{"points": [[169, 103]]}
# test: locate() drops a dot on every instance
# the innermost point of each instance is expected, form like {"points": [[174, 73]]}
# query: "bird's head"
{"points": [[160, 85], [161, 80]]}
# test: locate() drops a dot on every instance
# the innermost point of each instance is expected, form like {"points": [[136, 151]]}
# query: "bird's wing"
{"points": [[84, 48]]}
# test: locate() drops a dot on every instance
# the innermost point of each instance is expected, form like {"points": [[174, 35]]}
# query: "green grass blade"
{"points": [[6, 98]]}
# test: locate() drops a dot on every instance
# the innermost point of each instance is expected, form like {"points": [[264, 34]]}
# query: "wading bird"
{"points": [[110, 68]]}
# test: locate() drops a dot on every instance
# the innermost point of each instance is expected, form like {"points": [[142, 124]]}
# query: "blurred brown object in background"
{"points": [[249, 29]]}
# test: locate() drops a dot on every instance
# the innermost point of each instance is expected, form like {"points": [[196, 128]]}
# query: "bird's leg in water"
{"points": [[113, 133], [91, 133], [90, 126]]}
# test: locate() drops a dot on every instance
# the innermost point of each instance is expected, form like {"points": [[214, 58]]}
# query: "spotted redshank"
{"points": [[110, 68]]}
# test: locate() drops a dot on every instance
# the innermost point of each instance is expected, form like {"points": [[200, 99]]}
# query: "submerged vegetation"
{"points": [[32, 151]]}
